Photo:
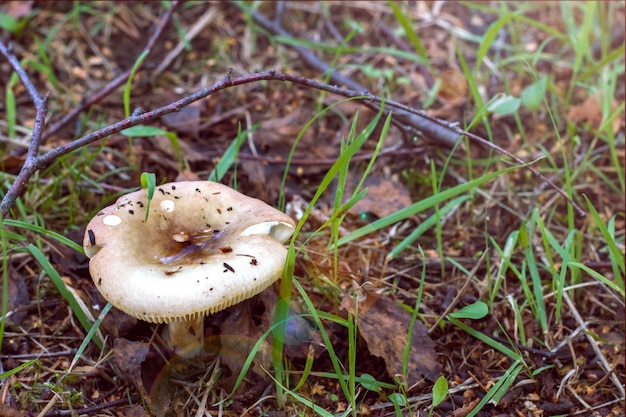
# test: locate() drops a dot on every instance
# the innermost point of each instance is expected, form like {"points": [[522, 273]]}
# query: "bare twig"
{"points": [[94, 409], [39, 102], [468, 281], [604, 363], [46, 159], [119, 80], [197, 28]]}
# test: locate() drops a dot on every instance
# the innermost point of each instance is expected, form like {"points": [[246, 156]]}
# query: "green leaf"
{"points": [[143, 131], [504, 104], [369, 382], [533, 95], [440, 390], [475, 311], [11, 24], [398, 399]]}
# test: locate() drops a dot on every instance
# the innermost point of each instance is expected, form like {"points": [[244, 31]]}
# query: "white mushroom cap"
{"points": [[203, 248]]}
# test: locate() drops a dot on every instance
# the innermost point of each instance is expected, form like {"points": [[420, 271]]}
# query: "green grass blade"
{"points": [[500, 388], [90, 335], [334, 359], [10, 105], [229, 156], [488, 39], [45, 232], [5, 277], [410, 33], [537, 286], [334, 168], [129, 82], [58, 282], [506, 255], [286, 284], [425, 204], [599, 277], [616, 255], [484, 338], [17, 369], [426, 225]]}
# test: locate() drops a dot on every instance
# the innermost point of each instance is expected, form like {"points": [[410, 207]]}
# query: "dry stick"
{"points": [[456, 299], [41, 103], [435, 129], [111, 405], [46, 159], [599, 355], [445, 132], [198, 27], [119, 80]]}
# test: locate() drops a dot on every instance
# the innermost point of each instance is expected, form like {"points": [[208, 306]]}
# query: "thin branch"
{"points": [[49, 157], [41, 103], [113, 84]]}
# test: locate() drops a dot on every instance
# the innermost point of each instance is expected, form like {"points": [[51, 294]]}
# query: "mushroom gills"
{"points": [[280, 231]]}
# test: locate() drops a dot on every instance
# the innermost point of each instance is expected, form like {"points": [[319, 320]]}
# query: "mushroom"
{"points": [[203, 248]]}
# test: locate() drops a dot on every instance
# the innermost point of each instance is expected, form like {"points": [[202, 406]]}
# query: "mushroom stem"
{"points": [[186, 337]]}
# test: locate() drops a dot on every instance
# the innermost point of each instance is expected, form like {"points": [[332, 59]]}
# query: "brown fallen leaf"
{"points": [[17, 9], [465, 409], [187, 120], [384, 197], [590, 111], [453, 85], [6, 411], [128, 357], [238, 336], [17, 297], [135, 410], [385, 326]]}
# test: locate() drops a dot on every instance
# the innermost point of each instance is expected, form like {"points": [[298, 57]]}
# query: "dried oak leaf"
{"points": [[385, 326]]}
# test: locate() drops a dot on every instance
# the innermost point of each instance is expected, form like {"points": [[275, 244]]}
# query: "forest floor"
{"points": [[460, 284]]}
